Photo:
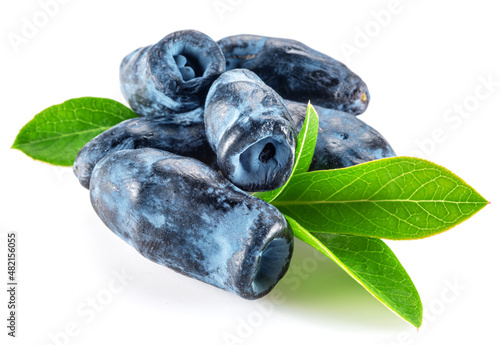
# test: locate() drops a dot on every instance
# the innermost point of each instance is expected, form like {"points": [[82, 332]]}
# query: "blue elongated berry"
{"points": [[343, 139], [154, 132], [251, 131], [179, 213], [171, 76], [297, 72]]}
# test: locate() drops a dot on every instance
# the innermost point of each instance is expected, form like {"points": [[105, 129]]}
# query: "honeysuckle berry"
{"points": [[251, 131], [343, 139], [297, 72], [171, 76], [180, 213], [154, 132]]}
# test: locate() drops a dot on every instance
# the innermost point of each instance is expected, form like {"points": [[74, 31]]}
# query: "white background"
{"points": [[420, 62]]}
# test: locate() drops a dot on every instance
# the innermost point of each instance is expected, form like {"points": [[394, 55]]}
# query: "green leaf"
{"points": [[372, 264], [306, 142], [395, 198], [57, 133]]}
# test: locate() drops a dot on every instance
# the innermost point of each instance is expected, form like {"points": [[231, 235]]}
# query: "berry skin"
{"points": [[343, 139], [179, 213], [154, 132], [251, 131], [297, 72], [171, 76]]}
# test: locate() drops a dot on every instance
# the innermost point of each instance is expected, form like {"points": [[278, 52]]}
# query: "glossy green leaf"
{"points": [[372, 264], [57, 133], [306, 142], [394, 198]]}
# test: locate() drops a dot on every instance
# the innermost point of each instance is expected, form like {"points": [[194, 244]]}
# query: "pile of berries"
{"points": [[218, 120]]}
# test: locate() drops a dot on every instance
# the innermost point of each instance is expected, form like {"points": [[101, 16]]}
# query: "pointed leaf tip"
{"points": [[397, 198], [56, 134]]}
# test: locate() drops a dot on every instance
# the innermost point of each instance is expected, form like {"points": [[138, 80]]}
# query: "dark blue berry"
{"points": [[154, 132], [343, 139], [179, 213], [250, 130], [172, 76], [297, 72]]}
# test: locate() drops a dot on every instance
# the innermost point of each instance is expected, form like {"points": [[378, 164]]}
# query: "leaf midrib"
{"points": [[62, 135], [284, 203]]}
